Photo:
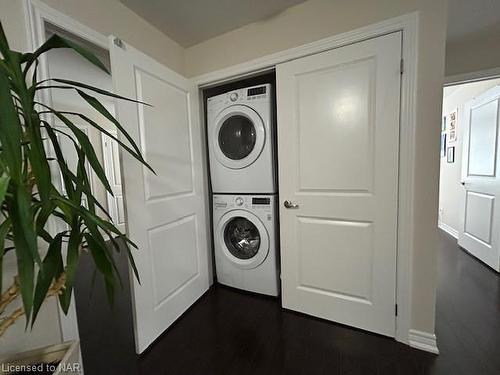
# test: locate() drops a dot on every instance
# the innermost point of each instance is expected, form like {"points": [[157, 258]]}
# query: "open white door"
{"points": [[165, 214], [338, 140], [479, 230]]}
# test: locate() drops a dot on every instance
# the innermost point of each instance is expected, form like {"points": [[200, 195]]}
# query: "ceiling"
{"points": [[472, 18], [189, 22]]}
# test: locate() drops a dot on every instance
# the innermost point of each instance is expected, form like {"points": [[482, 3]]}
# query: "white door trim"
{"points": [[36, 13], [408, 24]]}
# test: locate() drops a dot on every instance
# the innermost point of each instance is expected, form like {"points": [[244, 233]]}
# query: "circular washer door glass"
{"points": [[237, 137], [242, 238]]}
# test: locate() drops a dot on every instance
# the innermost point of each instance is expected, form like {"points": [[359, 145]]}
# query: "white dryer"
{"points": [[245, 238], [241, 141]]}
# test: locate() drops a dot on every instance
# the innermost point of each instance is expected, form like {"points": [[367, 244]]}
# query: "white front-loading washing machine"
{"points": [[245, 239], [241, 141]]}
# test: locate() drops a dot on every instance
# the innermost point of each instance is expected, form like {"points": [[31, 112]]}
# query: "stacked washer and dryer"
{"points": [[241, 149]]}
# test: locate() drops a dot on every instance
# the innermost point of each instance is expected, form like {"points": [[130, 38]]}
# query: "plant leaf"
{"points": [[4, 229], [56, 41], [4, 184], [75, 240], [88, 87], [10, 134], [103, 111], [136, 155], [99, 250], [87, 147], [25, 243], [52, 267]]}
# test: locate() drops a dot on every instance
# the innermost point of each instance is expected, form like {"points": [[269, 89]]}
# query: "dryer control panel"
{"points": [[260, 93], [260, 202]]}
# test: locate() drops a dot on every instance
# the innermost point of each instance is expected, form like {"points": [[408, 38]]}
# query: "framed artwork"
{"points": [[452, 126], [443, 144], [450, 155]]}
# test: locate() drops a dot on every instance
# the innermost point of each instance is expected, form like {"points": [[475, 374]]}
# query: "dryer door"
{"points": [[243, 239], [238, 137]]}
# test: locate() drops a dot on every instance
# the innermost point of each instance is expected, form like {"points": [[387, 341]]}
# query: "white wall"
{"points": [[472, 54], [450, 190]]}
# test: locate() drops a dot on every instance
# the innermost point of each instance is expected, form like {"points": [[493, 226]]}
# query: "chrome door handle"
{"points": [[289, 204]]}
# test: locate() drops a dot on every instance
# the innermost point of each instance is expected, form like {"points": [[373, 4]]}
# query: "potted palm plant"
{"points": [[29, 199]]}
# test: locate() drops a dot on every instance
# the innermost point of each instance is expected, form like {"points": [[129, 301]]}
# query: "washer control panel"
{"points": [[242, 201], [233, 96]]}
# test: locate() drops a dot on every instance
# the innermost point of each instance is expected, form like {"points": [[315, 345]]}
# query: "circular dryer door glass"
{"points": [[237, 137], [242, 238]]}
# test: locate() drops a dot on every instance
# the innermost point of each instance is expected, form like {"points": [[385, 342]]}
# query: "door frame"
{"points": [[408, 24], [37, 12]]}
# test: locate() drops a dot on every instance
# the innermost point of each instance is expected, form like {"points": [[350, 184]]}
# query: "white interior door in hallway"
{"points": [[338, 140], [166, 213], [479, 227]]}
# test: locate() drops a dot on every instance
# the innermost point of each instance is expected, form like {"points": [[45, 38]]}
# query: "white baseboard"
{"points": [[423, 341], [451, 231]]}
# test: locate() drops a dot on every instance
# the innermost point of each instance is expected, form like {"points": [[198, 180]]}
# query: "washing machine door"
{"points": [[239, 136], [243, 239]]}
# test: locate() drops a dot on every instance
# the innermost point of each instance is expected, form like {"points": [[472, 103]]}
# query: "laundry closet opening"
{"points": [[241, 146]]}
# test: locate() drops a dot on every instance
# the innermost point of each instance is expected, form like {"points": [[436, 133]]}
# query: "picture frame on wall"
{"points": [[443, 144], [450, 154], [452, 126]]}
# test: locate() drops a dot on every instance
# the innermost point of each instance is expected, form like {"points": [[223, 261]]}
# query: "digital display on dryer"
{"points": [[256, 91], [261, 201]]}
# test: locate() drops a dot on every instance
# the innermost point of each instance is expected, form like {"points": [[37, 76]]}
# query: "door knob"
{"points": [[462, 182], [289, 204]]}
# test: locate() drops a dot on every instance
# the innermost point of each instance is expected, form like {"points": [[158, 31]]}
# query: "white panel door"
{"points": [[165, 213], [479, 231], [338, 137], [111, 154]]}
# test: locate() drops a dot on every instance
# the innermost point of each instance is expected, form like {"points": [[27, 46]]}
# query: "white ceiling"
{"points": [[193, 21], [472, 18], [189, 22]]}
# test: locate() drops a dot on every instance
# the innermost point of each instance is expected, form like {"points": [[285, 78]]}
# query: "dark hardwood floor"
{"points": [[229, 332]]}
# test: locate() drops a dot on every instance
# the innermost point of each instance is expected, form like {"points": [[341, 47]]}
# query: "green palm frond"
{"points": [[28, 197]]}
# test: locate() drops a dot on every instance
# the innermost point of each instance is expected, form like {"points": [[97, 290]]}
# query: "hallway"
{"points": [[468, 313]]}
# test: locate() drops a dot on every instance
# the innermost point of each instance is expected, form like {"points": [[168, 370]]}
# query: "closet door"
{"points": [[338, 137], [166, 212]]}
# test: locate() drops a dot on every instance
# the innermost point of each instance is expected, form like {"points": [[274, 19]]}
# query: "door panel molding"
{"points": [[338, 128], [166, 212]]}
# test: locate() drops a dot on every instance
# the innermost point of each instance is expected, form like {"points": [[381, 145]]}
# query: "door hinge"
{"points": [[401, 66], [119, 43], [396, 309]]}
